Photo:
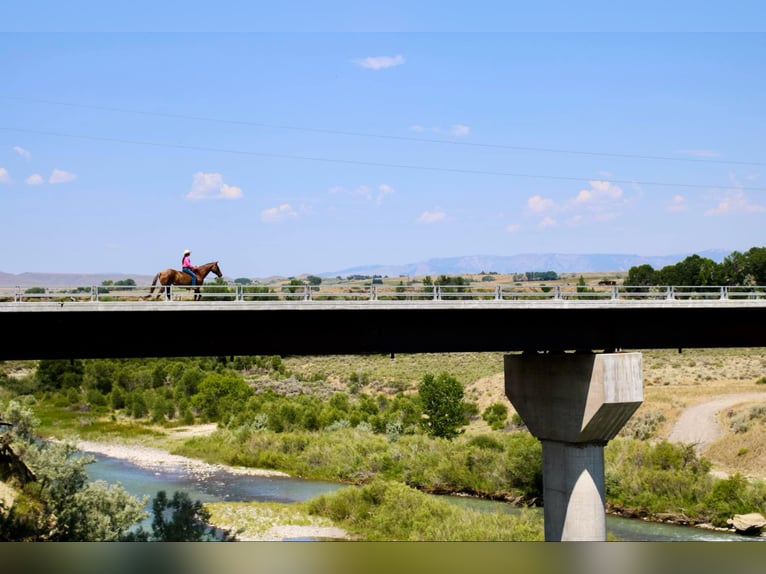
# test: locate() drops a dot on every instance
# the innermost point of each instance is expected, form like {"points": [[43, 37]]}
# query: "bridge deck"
{"points": [[98, 329]]}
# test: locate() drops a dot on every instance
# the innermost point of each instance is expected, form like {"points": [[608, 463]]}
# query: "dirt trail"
{"points": [[700, 424]]}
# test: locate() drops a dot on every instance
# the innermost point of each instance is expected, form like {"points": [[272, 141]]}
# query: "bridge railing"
{"points": [[384, 292]]}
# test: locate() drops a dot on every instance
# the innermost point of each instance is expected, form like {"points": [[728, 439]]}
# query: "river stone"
{"points": [[747, 523]]}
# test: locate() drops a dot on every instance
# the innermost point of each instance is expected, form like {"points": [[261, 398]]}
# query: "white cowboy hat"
{"points": [[187, 252]]}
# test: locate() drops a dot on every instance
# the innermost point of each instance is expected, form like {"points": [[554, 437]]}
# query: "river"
{"points": [[223, 486]]}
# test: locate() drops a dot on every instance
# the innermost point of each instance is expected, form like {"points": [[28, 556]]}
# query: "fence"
{"points": [[263, 294]]}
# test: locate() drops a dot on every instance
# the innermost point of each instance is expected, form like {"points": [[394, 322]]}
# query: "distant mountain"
{"points": [[521, 263]]}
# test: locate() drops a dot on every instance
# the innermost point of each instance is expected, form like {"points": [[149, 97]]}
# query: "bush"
{"points": [[495, 415]]}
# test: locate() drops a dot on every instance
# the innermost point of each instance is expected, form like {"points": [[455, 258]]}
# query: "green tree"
{"points": [[495, 415], [60, 373], [442, 403], [60, 504], [314, 280], [220, 395], [641, 276], [187, 520]]}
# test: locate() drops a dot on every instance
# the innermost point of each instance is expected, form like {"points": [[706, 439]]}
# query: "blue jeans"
{"points": [[193, 275]]}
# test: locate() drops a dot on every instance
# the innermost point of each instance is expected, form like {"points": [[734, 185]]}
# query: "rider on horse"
{"points": [[187, 266]]}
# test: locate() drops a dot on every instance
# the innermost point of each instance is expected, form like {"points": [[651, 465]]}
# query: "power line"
{"points": [[365, 163], [394, 137]]}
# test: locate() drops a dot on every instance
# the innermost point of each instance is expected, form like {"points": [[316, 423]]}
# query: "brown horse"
{"points": [[174, 277]]}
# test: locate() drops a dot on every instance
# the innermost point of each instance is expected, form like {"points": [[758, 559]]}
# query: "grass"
{"points": [[262, 520]]}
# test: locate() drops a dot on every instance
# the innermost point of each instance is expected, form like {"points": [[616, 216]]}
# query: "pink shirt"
{"points": [[186, 261]]}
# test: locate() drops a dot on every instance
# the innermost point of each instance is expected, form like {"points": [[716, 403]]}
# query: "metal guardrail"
{"points": [[503, 292]]}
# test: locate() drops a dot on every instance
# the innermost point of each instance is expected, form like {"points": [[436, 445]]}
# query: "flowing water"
{"points": [[223, 486]]}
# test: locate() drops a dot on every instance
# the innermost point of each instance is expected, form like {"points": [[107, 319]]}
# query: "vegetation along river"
{"points": [[221, 485]]}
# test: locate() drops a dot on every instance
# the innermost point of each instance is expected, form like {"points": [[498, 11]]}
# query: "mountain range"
{"points": [[520, 263]]}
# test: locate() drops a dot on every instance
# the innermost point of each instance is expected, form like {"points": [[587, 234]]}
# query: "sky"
{"points": [[315, 137]]}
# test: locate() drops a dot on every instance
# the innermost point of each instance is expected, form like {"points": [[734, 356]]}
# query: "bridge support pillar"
{"points": [[574, 403]]}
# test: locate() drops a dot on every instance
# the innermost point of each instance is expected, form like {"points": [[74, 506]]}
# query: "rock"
{"points": [[747, 523]]}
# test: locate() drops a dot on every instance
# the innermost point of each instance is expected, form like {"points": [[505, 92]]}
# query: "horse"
{"points": [[174, 277]]}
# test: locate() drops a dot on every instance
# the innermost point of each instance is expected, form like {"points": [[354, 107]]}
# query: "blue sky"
{"points": [[297, 141]]}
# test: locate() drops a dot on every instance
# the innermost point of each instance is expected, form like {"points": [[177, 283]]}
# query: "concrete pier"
{"points": [[574, 403]]}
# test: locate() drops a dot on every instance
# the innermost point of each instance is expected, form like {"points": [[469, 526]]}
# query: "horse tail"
{"points": [[154, 282]]}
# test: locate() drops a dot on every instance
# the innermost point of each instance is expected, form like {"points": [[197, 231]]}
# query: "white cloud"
{"points": [[459, 130], [61, 176], [383, 190], [547, 222], [4, 176], [600, 190], [365, 191], [539, 204], [455, 130], [735, 201], [513, 227], [212, 186], [678, 204], [35, 179], [428, 217], [22, 152], [278, 214], [380, 62]]}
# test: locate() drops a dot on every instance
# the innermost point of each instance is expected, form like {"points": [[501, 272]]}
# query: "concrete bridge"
{"points": [[572, 369]]}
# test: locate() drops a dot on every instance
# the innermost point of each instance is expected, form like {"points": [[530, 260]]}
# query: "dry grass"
{"points": [[264, 521], [673, 381]]}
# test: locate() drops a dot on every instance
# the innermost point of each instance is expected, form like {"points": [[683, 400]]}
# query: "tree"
{"points": [[314, 280], [221, 394], [188, 521], [60, 373], [60, 504], [442, 402], [495, 415], [641, 276]]}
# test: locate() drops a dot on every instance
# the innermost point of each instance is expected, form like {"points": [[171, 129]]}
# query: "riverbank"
{"points": [[250, 522]]}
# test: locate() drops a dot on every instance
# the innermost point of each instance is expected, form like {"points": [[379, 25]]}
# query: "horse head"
{"points": [[215, 269]]}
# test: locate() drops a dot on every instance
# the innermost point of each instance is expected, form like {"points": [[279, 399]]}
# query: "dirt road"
{"points": [[701, 425]]}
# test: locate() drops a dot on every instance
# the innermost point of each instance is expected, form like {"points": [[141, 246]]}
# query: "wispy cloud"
{"points": [[212, 186], [373, 194], [4, 176], [599, 191], [22, 152], [383, 190], [546, 221], [454, 130], [429, 217], [35, 179], [380, 62], [278, 214], [513, 227], [539, 204], [678, 204], [735, 201], [61, 176], [700, 153]]}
